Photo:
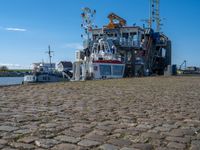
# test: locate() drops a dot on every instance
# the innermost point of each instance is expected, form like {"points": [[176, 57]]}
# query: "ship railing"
{"points": [[104, 56], [130, 42]]}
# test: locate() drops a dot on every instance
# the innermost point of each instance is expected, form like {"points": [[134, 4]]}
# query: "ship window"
{"points": [[132, 34], [95, 36], [110, 35], [118, 70], [125, 35], [105, 70], [95, 68]]}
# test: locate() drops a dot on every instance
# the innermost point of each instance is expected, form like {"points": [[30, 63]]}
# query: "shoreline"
{"points": [[42, 83]]}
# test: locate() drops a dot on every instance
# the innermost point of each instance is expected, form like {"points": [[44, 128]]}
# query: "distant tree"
{"points": [[3, 68]]}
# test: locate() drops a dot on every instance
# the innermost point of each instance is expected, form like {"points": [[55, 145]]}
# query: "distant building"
{"points": [[44, 67], [64, 66]]}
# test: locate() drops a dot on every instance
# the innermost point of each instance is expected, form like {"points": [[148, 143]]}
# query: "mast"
{"points": [[154, 17], [49, 52]]}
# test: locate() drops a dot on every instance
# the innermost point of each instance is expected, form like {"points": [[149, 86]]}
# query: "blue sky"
{"points": [[27, 27]]}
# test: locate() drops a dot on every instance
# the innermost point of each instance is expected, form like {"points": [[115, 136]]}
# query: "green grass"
{"points": [[19, 70]]}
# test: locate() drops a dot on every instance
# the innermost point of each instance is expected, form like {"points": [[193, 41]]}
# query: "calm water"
{"points": [[10, 80]]}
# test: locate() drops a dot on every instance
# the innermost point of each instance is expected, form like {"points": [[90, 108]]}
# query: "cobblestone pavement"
{"points": [[128, 114]]}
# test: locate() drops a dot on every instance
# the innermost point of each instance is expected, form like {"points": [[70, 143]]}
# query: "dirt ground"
{"points": [[125, 114]]}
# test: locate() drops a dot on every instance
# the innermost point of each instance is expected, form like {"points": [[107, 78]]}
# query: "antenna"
{"points": [[49, 52], [88, 16]]}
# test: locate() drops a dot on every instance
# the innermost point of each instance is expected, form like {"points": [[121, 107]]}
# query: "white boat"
{"points": [[34, 78], [45, 72]]}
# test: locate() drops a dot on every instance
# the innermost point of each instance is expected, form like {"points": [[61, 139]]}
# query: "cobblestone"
{"points": [[46, 143], [108, 147], [143, 146], [65, 147], [176, 145], [67, 139], [179, 139], [22, 146], [88, 143], [7, 128], [141, 113]]}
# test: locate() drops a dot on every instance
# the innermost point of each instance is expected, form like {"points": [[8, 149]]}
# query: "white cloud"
{"points": [[73, 46], [16, 29]]}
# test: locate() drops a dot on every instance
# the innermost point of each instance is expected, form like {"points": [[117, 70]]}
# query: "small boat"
{"points": [[46, 72], [43, 77]]}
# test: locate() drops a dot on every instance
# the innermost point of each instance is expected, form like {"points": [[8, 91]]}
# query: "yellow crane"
{"points": [[115, 21]]}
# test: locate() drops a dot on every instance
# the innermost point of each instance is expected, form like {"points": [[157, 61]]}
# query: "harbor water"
{"points": [[10, 80]]}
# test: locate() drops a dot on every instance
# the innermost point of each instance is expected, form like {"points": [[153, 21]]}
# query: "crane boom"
{"points": [[155, 14], [113, 17]]}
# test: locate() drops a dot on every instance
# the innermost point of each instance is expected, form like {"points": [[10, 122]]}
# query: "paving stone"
{"points": [[145, 126], [120, 142], [149, 119], [67, 139], [170, 126], [46, 143], [105, 128], [65, 147], [108, 147], [155, 142], [28, 139], [49, 125], [98, 132], [162, 129], [3, 142], [179, 139], [10, 136], [1, 146], [22, 146], [81, 129], [176, 145], [108, 122], [196, 142], [198, 136], [195, 147], [9, 148], [95, 137], [23, 131], [152, 135], [73, 133], [125, 148], [175, 132], [161, 148], [8, 128], [88, 143], [188, 132], [143, 146]]}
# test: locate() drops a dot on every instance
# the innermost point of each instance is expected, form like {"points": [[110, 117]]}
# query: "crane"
{"points": [[185, 65], [113, 18], [155, 15]]}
